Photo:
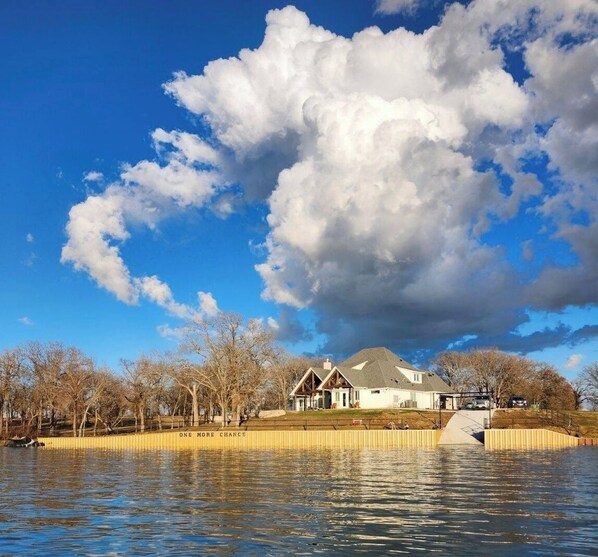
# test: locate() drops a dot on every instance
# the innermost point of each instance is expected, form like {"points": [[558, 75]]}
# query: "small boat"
{"points": [[18, 442]]}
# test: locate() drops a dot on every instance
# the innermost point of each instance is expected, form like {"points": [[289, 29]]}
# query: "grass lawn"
{"points": [[586, 423], [371, 419], [583, 422]]}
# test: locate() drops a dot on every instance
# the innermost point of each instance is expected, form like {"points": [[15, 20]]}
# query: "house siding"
{"points": [[396, 398]]}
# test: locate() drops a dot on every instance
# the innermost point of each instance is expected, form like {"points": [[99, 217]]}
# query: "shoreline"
{"points": [[521, 439]]}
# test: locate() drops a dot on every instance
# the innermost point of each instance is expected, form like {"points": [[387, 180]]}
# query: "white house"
{"points": [[372, 378]]}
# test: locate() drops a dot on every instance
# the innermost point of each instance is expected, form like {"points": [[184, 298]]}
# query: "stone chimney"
{"points": [[327, 364]]}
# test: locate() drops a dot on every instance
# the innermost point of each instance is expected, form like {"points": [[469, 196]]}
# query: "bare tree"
{"points": [[580, 393], [490, 371], [588, 379], [191, 378], [495, 371], [145, 388], [96, 389], [177, 402], [47, 363], [141, 383], [12, 372], [233, 355], [456, 369], [75, 384], [282, 375], [109, 404]]}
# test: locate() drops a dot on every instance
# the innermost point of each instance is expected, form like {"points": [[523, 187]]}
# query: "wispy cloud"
{"points": [[388, 7], [573, 361], [93, 176], [166, 331], [30, 260], [25, 321]]}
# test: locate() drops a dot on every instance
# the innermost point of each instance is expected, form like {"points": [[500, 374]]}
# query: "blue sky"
{"points": [[409, 186]]}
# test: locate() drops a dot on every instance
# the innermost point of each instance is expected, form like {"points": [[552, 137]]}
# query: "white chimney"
{"points": [[328, 364]]}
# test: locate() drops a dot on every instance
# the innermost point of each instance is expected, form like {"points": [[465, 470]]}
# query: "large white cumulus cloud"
{"points": [[373, 153]]}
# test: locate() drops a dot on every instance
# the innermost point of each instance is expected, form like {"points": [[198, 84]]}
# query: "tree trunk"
{"points": [[238, 416], [52, 421], [223, 410], [195, 404], [39, 421], [83, 422], [74, 420], [210, 414]]}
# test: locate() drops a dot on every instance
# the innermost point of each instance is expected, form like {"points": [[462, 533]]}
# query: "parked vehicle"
{"points": [[517, 402], [476, 404], [481, 404]]}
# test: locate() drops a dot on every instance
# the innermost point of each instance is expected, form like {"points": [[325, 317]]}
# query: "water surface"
{"points": [[453, 501]]}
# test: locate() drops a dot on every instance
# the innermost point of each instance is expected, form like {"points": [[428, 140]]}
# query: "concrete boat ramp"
{"points": [[466, 427]]}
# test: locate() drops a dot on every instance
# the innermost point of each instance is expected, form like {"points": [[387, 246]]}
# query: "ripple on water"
{"points": [[458, 501]]}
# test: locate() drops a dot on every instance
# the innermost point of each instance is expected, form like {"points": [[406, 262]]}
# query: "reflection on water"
{"points": [[453, 501]]}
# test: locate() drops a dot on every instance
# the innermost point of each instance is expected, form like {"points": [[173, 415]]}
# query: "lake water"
{"points": [[453, 501]]}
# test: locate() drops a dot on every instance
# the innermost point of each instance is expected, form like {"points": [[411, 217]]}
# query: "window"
{"points": [[356, 395], [376, 392], [337, 396]]}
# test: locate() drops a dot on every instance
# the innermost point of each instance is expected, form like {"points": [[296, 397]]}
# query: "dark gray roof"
{"points": [[376, 354], [380, 371]]}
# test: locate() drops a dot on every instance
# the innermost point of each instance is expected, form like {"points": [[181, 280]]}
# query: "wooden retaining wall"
{"points": [[349, 439], [588, 442], [253, 440], [527, 439]]}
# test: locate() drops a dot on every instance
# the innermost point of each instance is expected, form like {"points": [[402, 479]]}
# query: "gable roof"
{"points": [[320, 374]]}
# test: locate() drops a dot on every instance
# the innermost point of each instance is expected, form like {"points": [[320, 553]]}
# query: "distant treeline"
{"points": [[505, 375], [227, 367]]}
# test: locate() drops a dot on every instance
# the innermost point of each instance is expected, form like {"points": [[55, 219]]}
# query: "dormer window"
{"points": [[412, 375]]}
